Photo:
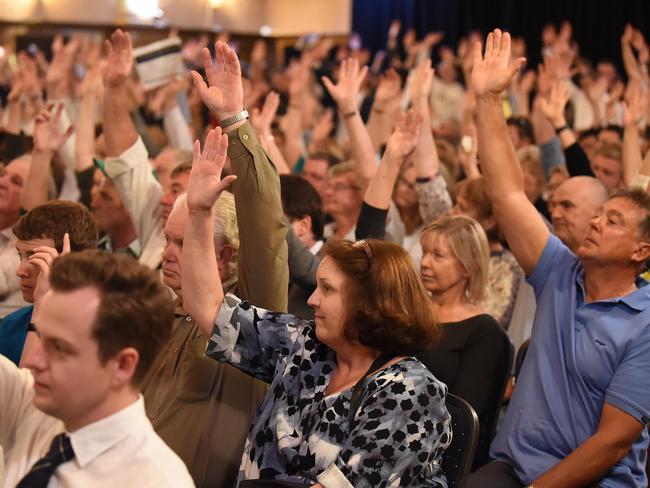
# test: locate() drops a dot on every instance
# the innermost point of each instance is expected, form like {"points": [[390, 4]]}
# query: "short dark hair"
{"points": [[300, 198], [54, 219], [136, 310], [524, 128], [388, 308]]}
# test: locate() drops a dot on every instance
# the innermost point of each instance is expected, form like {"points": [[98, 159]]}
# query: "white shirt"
{"points": [[140, 193], [121, 450]]}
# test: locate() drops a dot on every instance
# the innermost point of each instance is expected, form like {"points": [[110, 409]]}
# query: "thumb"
{"points": [[516, 65], [328, 84], [66, 244], [226, 182]]}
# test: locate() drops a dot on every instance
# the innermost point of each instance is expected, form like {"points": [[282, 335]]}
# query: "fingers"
{"points": [[66, 244], [328, 84], [66, 135], [226, 182], [196, 150], [208, 66]]}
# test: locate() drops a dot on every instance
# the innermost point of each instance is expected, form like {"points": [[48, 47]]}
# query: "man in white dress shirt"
{"points": [[78, 419]]}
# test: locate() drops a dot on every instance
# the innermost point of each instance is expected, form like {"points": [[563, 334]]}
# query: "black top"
{"points": [[472, 358]]}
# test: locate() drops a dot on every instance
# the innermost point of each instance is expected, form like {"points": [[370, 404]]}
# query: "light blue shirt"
{"points": [[581, 356]]}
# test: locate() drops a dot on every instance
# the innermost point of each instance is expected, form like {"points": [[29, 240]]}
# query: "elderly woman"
{"points": [[472, 356], [347, 404]]}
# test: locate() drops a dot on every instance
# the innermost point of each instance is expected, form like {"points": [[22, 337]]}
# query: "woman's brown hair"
{"points": [[388, 308]]}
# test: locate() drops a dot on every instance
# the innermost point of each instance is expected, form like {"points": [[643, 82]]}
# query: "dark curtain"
{"points": [[597, 24]]}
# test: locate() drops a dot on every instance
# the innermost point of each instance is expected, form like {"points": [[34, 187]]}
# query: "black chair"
{"points": [[457, 459]]}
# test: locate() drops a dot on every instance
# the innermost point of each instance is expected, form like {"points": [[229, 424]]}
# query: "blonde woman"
{"points": [[472, 355]]}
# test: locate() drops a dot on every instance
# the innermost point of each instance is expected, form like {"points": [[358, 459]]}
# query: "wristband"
{"points": [[560, 129], [349, 114], [228, 121]]}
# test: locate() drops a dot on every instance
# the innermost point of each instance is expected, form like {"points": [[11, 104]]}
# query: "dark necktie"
{"points": [[60, 452]]}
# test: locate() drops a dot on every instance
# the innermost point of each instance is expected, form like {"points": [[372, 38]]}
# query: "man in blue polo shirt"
{"points": [[39, 239], [578, 414]]}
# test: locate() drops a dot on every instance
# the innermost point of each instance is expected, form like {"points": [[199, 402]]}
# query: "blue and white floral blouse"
{"points": [[299, 434]]}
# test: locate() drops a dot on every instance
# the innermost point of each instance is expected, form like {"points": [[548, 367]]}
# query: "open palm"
{"points": [[205, 183], [224, 93], [493, 72], [119, 57]]}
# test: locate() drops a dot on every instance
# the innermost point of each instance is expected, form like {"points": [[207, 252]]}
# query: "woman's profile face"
{"points": [[440, 269], [329, 303]]}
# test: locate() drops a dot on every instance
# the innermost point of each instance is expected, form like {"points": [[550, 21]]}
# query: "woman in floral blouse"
{"points": [[371, 314]]}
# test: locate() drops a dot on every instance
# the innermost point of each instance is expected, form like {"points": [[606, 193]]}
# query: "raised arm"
{"points": [[345, 93], [400, 146], [119, 131], [202, 290], [517, 218], [262, 261], [634, 109], [47, 140], [262, 120]]}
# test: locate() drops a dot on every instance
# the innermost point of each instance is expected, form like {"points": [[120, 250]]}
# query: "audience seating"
{"points": [[457, 459]]}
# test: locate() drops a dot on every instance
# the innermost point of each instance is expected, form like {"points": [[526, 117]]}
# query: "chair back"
{"points": [[457, 459]]}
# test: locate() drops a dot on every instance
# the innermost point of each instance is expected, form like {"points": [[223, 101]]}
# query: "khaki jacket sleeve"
{"points": [[262, 262]]}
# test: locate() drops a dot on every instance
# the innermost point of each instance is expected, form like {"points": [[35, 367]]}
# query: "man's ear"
{"points": [[124, 364], [642, 252], [303, 225], [225, 254]]}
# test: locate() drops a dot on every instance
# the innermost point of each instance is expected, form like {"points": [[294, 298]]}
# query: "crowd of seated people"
{"points": [[265, 275]]}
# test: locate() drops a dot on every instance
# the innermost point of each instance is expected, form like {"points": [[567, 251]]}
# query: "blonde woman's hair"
{"points": [[468, 242]]}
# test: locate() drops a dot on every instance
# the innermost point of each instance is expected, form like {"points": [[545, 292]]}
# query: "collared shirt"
{"points": [[315, 249], [132, 248], [140, 192], [581, 356], [183, 386], [9, 283], [117, 451]]}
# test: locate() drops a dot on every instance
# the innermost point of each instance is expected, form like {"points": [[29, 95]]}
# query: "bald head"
{"points": [[573, 205], [12, 178]]}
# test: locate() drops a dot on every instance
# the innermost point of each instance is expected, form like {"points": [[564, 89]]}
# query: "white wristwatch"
{"points": [[233, 119]]}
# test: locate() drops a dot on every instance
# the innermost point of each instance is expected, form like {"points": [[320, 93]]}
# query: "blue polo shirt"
{"points": [[13, 331], [581, 356]]}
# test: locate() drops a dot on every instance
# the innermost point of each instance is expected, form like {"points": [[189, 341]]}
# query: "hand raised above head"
{"points": [[205, 183], [405, 136], [119, 57], [346, 89], [553, 105], [493, 71], [223, 94], [47, 135]]}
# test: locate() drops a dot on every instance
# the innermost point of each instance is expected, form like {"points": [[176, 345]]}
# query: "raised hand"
{"points": [[347, 88], [119, 57], [390, 87], [420, 82], [43, 257], [636, 105], [323, 126], [224, 93], [405, 136], [205, 183], [493, 72], [47, 135], [262, 119], [553, 105]]}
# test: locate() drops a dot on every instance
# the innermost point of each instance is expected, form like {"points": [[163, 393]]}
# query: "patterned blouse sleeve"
{"points": [[398, 436], [433, 198], [253, 339]]}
